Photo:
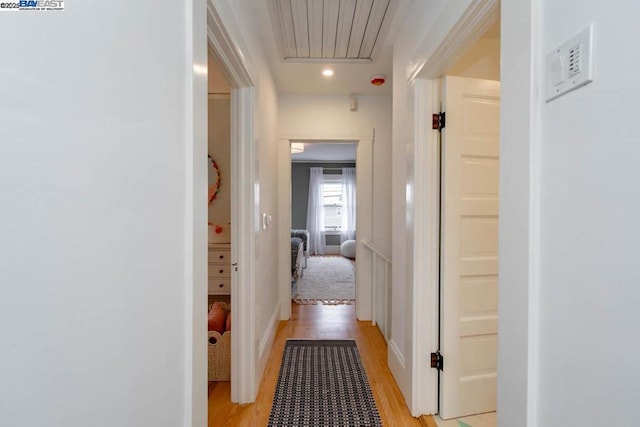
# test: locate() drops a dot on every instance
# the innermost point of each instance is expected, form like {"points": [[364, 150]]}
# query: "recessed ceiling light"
{"points": [[328, 72]]}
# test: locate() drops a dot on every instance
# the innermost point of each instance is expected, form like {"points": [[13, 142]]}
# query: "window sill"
{"points": [[331, 232]]}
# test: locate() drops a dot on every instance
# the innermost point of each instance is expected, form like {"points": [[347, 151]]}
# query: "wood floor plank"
{"points": [[318, 322]]}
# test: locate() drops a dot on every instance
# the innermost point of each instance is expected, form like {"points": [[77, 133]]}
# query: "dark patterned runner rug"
{"points": [[323, 383]]}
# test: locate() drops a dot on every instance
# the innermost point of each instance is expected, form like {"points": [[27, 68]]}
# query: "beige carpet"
{"points": [[326, 280]]}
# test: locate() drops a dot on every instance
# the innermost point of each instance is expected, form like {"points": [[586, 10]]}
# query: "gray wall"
{"points": [[300, 193]]}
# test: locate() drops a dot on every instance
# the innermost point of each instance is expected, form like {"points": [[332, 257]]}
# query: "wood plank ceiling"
{"points": [[339, 30]]}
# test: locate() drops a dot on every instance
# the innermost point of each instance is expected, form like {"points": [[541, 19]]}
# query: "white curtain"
{"points": [[315, 212], [348, 228]]}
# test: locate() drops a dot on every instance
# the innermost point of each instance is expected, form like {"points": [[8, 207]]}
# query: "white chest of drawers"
{"points": [[219, 269]]}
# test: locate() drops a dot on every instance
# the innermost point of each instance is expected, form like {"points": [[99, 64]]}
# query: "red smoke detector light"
{"points": [[378, 80]]}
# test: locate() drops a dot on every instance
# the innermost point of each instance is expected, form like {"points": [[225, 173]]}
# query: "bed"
{"points": [[297, 257], [299, 252]]}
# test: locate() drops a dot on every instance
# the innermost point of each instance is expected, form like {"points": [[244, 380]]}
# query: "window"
{"points": [[332, 201]]}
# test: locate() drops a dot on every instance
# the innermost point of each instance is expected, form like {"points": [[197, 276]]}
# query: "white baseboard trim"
{"points": [[398, 367], [395, 356], [264, 349]]}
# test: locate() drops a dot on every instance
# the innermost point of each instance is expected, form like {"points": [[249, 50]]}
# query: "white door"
{"points": [[469, 247]]}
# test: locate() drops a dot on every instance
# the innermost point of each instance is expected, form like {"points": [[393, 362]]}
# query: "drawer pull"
{"points": [[221, 256], [221, 271], [221, 285]]}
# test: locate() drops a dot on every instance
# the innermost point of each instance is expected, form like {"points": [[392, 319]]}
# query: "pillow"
{"points": [[348, 249], [217, 318]]}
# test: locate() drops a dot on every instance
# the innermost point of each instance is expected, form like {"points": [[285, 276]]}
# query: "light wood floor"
{"points": [[318, 322]]}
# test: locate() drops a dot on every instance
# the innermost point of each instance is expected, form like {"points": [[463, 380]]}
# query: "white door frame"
{"points": [[233, 59], [477, 18], [195, 256], [364, 201]]}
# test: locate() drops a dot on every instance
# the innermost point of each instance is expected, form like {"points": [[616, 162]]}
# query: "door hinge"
{"points": [[437, 361], [438, 121]]}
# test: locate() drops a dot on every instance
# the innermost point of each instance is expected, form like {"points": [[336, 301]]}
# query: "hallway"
{"points": [[318, 322]]}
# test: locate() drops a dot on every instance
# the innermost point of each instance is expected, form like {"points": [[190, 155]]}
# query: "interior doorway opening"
{"points": [[364, 197], [228, 55], [468, 93], [469, 198], [424, 84], [323, 223]]}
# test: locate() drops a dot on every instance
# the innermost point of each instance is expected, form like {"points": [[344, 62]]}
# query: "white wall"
{"points": [[267, 293], [320, 116], [97, 160], [247, 18], [519, 117], [480, 61], [219, 148], [219, 139], [589, 226], [216, 80], [584, 172]]}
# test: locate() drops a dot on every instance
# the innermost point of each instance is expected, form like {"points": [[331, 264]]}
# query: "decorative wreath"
{"points": [[214, 179]]}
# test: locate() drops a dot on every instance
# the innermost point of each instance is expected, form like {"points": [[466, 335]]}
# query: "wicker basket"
{"points": [[220, 356]]}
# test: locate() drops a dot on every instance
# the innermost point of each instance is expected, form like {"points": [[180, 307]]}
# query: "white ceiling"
{"points": [[304, 76], [330, 29], [319, 152]]}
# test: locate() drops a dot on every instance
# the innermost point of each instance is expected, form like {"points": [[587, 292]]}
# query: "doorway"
{"points": [[469, 247], [364, 160], [425, 88], [469, 94], [468, 285], [235, 68], [323, 217]]}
